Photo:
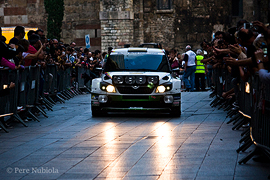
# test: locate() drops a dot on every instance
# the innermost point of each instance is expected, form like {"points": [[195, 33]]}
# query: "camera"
{"points": [[248, 25]]}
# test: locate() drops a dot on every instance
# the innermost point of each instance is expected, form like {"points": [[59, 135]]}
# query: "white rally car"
{"points": [[136, 79]]}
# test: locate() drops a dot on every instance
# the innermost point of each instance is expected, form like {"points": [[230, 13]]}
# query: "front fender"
{"points": [[96, 85]]}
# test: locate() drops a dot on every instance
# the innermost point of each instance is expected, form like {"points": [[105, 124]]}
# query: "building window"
{"points": [[237, 7], [164, 4]]}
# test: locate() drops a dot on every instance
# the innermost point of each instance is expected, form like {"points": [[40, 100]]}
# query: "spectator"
{"points": [[219, 35], [200, 72], [190, 68], [34, 51], [53, 45], [70, 55], [181, 62], [40, 32], [173, 60], [85, 52], [19, 33], [59, 60], [99, 57], [109, 50], [30, 33], [72, 45], [90, 56], [9, 52]]}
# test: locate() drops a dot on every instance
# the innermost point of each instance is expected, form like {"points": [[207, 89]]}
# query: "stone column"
{"points": [[116, 18]]}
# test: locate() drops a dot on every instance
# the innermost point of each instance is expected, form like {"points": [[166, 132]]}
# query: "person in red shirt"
{"points": [[34, 52]]}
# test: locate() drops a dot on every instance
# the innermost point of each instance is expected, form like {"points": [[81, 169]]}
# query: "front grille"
{"points": [[135, 97], [130, 90], [144, 104]]}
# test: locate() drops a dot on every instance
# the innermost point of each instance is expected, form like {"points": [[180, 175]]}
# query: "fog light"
{"points": [[102, 98], [160, 89], [168, 99], [110, 88], [103, 88]]}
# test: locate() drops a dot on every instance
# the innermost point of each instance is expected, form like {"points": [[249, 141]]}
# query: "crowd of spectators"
{"points": [[38, 50], [242, 50]]}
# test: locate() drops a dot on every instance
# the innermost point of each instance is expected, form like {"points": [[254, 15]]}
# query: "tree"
{"points": [[55, 10]]}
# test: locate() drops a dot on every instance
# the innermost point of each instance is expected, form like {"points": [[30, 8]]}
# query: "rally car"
{"points": [[136, 79]]}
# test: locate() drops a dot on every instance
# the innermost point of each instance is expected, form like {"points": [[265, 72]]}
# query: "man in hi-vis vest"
{"points": [[200, 71]]}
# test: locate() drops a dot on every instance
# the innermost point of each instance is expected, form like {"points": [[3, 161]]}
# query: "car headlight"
{"points": [[140, 79], [110, 88], [107, 87], [130, 80], [164, 87], [118, 79], [152, 79], [160, 89]]}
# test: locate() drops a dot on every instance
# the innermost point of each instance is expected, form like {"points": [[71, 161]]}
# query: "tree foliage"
{"points": [[55, 10]]}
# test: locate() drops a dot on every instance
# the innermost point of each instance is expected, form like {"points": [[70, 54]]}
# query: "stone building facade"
{"points": [[173, 23]]}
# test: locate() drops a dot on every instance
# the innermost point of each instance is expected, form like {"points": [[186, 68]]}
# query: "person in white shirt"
{"points": [[189, 68]]}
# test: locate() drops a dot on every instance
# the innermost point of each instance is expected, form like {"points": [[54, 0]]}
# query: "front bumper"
{"points": [[136, 103]]}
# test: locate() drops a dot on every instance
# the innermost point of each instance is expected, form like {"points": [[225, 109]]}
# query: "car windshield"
{"points": [[137, 61]]}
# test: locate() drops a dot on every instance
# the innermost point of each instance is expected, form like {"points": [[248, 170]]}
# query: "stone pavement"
{"points": [[70, 144]]}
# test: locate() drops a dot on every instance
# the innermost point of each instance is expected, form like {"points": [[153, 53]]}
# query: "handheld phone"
{"points": [[265, 51], [264, 48], [248, 25]]}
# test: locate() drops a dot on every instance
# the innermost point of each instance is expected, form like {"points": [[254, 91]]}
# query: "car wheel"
{"points": [[176, 112]]}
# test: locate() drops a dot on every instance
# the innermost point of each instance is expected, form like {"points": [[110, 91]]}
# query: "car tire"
{"points": [[175, 112], [96, 112]]}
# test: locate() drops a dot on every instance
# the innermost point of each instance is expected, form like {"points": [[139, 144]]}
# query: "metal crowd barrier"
{"points": [[31, 94], [254, 106], [82, 83], [9, 103], [50, 79], [260, 120]]}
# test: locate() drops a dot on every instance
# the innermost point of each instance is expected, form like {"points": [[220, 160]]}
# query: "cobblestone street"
{"points": [[70, 144]]}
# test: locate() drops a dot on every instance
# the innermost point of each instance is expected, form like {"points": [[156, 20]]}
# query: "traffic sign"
{"points": [[87, 41]]}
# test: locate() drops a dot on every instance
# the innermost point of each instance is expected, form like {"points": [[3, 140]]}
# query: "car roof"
{"points": [[138, 49], [155, 45]]}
